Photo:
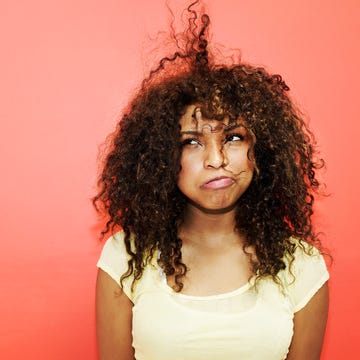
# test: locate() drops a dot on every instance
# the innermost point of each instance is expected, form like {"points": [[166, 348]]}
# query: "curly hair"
{"points": [[138, 184]]}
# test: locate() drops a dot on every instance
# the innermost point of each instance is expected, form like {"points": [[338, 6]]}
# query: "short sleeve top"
{"points": [[252, 323]]}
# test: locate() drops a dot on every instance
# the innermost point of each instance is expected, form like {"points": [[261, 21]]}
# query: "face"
{"points": [[215, 168]]}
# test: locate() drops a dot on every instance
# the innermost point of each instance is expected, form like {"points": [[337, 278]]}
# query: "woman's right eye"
{"points": [[190, 142]]}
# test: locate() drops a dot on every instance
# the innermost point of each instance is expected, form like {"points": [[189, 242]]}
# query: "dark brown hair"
{"points": [[138, 184]]}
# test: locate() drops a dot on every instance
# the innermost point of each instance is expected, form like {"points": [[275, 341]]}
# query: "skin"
{"points": [[309, 327], [215, 172], [209, 237], [113, 320], [215, 168]]}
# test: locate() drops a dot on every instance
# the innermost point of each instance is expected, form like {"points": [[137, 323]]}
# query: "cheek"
{"points": [[184, 170], [190, 163], [190, 173], [239, 161]]}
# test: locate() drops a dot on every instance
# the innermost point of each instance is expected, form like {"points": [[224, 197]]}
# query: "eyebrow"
{"points": [[199, 133], [195, 133], [233, 127]]}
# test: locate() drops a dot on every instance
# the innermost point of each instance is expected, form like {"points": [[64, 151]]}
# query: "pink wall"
{"points": [[67, 69]]}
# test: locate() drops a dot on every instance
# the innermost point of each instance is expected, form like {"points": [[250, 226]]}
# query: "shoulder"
{"points": [[304, 275], [114, 260], [114, 257], [304, 254]]}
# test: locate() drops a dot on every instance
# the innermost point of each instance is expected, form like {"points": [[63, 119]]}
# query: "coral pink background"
{"points": [[67, 69]]}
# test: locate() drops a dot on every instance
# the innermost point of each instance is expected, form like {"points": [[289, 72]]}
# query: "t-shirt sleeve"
{"points": [[114, 261], [310, 273]]}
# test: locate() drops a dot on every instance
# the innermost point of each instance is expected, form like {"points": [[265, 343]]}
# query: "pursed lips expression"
{"points": [[215, 165]]}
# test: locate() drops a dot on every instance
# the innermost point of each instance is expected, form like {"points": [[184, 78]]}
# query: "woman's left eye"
{"points": [[234, 137]]}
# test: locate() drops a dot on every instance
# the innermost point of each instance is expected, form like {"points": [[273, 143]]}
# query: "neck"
{"points": [[208, 227]]}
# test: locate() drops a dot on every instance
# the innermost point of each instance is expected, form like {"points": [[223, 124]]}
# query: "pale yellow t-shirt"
{"points": [[247, 323]]}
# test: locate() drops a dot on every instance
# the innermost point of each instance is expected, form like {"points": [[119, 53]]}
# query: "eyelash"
{"points": [[231, 137], [189, 142]]}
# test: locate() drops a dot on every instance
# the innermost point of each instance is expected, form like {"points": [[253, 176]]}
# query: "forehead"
{"points": [[193, 120]]}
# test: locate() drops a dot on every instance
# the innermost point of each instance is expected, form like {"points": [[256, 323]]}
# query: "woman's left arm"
{"points": [[309, 327]]}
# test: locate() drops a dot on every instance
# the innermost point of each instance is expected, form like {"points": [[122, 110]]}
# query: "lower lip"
{"points": [[218, 184]]}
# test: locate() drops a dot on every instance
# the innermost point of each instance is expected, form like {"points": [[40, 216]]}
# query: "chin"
{"points": [[214, 209]]}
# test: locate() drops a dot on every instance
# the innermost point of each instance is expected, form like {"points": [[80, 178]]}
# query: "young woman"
{"points": [[209, 187]]}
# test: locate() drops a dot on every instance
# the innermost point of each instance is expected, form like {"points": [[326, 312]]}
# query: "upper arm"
{"points": [[113, 320], [309, 327]]}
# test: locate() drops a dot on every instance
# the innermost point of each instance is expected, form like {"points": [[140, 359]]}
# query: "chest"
{"points": [[244, 324], [213, 271]]}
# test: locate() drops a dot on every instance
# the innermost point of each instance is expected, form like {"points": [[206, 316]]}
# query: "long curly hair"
{"points": [[138, 184]]}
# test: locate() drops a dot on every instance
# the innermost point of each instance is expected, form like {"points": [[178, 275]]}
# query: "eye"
{"points": [[190, 141], [234, 138]]}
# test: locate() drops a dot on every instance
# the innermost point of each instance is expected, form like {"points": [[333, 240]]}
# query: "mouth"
{"points": [[218, 183]]}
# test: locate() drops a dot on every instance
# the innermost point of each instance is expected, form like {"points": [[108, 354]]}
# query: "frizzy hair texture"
{"points": [[138, 184]]}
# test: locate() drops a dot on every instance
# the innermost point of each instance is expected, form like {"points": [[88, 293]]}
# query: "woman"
{"points": [[209, 187]]}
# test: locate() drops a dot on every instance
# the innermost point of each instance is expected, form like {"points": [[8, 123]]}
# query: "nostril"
{"points": [[215, 158]]}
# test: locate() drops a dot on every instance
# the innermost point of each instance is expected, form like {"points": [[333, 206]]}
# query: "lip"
{"points": [[218, 183]]}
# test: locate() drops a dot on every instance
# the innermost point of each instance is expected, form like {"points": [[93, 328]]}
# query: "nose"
{"points": [[215, 156]]}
